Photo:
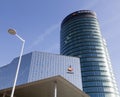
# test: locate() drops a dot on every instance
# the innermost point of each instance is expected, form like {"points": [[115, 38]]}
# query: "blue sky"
{"points": [[38, 22]]}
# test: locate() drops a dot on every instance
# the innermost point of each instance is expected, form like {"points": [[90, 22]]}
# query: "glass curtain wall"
{"points": [[81, 37]]}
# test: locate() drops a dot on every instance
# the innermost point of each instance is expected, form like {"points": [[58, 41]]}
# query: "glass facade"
{"points": [[81, 37], [39, 65]]}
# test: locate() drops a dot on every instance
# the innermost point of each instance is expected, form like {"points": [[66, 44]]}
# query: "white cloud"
{"points": [[54, 48], [43, 36]]}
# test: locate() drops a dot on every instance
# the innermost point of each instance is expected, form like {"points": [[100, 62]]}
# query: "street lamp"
{"points": [[13, 32]]}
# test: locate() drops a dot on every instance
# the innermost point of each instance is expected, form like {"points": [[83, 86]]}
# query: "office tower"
{"points": [[81, 37], [37, 66]]}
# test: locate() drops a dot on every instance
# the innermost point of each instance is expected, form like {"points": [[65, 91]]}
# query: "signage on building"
{"points": [[70, 70]]}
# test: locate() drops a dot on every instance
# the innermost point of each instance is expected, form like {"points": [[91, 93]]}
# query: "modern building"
{"points": [[37, 66], [81, 37]]}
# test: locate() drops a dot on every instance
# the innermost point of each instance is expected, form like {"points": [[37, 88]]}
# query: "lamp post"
{"points": [[13, 32]]}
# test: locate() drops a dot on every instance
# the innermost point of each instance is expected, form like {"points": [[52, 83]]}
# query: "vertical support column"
{"points": [[55, 89], [4, 94]]}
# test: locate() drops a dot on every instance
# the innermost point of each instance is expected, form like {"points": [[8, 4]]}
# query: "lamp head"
{"points": [[12, 31]]}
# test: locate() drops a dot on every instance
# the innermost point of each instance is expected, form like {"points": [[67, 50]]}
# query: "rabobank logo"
{"points": [[70, 70]]}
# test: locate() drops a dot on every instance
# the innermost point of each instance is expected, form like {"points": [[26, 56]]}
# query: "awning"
{"points": [[45, 88]]}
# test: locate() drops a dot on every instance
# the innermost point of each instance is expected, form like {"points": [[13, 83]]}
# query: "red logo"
{"points": [[70, 70]]}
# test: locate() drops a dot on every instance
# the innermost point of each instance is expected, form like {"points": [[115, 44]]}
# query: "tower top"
{"points": [[80, 13]]}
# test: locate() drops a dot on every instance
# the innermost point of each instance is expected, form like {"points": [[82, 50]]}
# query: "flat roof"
{"points": [[45, 88]]}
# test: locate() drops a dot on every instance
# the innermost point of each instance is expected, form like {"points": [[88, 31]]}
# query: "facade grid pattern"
{"points": [[39, 65], [81, 37]]}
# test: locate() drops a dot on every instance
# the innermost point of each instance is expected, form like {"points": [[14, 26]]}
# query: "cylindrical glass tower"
{"points": [[81, 37]]}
